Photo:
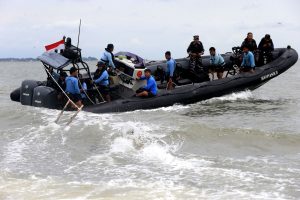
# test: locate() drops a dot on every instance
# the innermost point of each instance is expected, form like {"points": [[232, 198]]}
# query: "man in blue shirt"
{"points": [[101, 79], [108, 57], [150, 90], [248, 63], [72, 87], [217, 63], [171, 65]]}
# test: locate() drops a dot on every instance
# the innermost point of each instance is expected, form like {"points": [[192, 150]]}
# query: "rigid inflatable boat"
{"points": [[124, 84]]}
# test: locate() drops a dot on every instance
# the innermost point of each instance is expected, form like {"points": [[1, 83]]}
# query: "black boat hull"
{"points": [[183, 94], [201, 91]]}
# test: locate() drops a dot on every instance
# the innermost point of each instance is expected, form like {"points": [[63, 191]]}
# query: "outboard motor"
{"points": [[26, 91], [44, 96], [15, 95]]}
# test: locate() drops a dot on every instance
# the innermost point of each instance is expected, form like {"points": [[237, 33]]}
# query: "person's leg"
{"points": [[192, 62], [220, 75], [170, 84], [79, 103], [220, 71], [212, 71], [140, 90], [142, 94], [199, 62]]}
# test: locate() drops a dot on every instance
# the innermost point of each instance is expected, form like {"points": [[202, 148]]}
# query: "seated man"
{"points": [[62, 80], [72, 88], [150, 90], [217, 63], [101, 79], [265, 47], [171, 65], [62, 84], [83, 89], [248, 63]]}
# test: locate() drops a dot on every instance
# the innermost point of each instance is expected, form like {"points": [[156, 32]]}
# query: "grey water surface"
{"points": [[241, 146]]}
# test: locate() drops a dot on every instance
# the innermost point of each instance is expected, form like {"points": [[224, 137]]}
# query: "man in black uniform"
{"points": [[197, 72], [249, 42], [265, 48]]}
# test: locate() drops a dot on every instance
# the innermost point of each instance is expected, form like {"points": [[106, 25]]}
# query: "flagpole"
{"points": [[78, 34]]}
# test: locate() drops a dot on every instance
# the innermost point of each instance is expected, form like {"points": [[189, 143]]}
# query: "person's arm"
{"points": [[243, 62], [201, 49], [149, 85], [76, 87], [252, 61], [255, 45], [272, 45], [221, 60], [152, 86], [171, 67], [84, 86], [243, 44], [189, 49], [111, 63], [142, 78], [101, 78], [260, 45]]}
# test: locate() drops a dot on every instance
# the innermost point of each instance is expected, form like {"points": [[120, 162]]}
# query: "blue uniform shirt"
{"points": [[171, 65], [217, 60], [103, 79], [72, 85], [107, 58], [248, 60], [151, 84]]}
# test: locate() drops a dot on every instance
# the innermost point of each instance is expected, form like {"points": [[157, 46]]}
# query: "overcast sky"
{"points": [[144, 27]]}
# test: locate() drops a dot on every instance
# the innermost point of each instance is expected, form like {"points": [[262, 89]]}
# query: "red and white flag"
{"points": [[57, 45]]}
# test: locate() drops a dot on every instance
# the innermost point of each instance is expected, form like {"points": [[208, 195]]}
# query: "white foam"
{"points": [[121, 145], [245, 95]]}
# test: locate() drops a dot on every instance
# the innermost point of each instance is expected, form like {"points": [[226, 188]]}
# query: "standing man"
{"points": [[266, 44], [171, 65], [248, 63], [195, 51], [250, 43], [217, 63], [150, 90], [72, 88], [265, 47], [108, 57]]}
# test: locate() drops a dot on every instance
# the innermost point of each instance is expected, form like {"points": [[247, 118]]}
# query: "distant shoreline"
{"points": [[35, 59]]}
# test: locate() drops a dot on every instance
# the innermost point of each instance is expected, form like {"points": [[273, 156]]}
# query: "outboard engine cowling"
{"points": [[44, 96], [15, 95], [26, 91]]}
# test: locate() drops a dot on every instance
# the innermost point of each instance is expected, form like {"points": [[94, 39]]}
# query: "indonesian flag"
{"points": [[57, 45]]}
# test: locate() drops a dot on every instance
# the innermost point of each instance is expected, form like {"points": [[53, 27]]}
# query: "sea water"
{"points": [[240, 146]]}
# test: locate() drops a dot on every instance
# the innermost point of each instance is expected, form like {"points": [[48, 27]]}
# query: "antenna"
{"points": [[78, 34]]}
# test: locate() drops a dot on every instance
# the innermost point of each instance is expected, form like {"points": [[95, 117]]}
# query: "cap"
{"points": [[100, 63], [63, 74], [147, 70], [109, 46]]}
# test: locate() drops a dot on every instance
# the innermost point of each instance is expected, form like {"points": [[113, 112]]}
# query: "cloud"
{"points": [[147, 27]]}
